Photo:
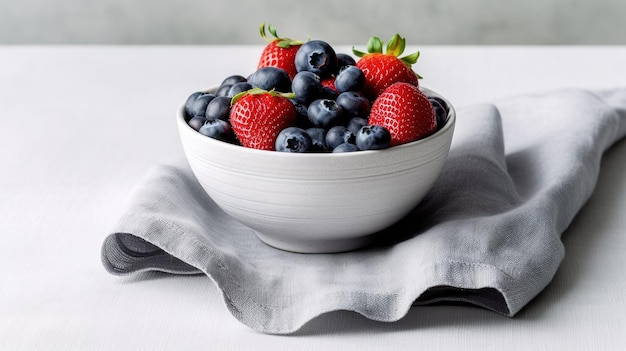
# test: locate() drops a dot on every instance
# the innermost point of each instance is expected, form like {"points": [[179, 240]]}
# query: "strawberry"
{"points": [[329, 82], [257, 116], [279, 52], [382, 69], [405, 111]]}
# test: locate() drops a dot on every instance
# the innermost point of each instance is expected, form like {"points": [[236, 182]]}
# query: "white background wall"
{"points": [[339, 22]]}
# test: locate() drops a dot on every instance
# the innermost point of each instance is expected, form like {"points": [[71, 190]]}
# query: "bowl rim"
{"points": [[450, 123]]}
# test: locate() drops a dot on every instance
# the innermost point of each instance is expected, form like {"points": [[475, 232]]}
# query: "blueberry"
{"points": [[197, 122], [300, 108], [227, 83], [199, 105], [355, 124], [345, 60], [345, 147], [329, 93], [217, 129], [307, 86], [318, 138], [354, 103], [238, 88], [441, 113], [373, 138], [325, 113], [440, 101], [302, 117], [316, 56], [293, 139], [189, 103], [218, 108], [349, 78], [268, 78], [338, 135], [223, 90], [234, 79]]}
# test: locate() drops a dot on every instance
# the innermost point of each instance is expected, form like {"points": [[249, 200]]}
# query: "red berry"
{"points": [[329, 82], [258, 116], [279, 52], [405, 111], [383, 69]]}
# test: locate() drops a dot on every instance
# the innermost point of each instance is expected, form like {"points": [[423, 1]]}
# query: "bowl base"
{"points": [[319, 246]]}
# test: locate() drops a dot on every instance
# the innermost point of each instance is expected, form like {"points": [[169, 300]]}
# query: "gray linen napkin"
{"points": [[488, 233]]}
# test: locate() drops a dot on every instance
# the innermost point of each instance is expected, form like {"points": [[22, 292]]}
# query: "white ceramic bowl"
{"points": [[317, 202]]}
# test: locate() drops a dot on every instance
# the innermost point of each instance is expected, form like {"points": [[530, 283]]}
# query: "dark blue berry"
{"points": [[373, 138], [441, 101], [329, 93], [217, 129], [302, 117], [189, 103], [307, 86], [218, 108], [338, 135], [355, 124], [325, 113], [234, 79], [197, 122], [345, 60], [293, 139], [345, 147], [349, 78], [223, 90], [238, 88], [268, 78], [316, 56], [354, 103], [441, 113], [318, 138], [199, 105]]}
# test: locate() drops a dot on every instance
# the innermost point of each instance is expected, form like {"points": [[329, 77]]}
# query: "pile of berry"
{"points": [[305, 97]]}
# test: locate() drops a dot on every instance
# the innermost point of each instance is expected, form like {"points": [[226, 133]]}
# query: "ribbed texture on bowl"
{"points": [[316, 202]]}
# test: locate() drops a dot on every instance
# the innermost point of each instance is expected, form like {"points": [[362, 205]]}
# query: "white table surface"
{"points": [[80, 126]]}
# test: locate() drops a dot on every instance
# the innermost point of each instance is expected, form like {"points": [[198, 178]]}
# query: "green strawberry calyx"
{"points": [[259, 91], [395, 47], [280, 42]]}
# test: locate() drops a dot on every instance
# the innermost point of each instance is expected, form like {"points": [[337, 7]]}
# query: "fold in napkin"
{"points": [[488, 233]]}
